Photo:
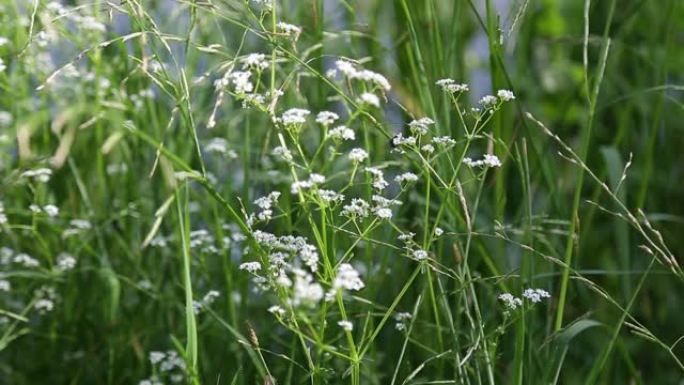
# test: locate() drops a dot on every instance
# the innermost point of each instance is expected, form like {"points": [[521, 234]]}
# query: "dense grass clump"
{"points": [[333, 192]]}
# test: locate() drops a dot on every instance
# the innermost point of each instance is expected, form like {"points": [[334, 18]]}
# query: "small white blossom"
{"points": [[44, 305], [358, 155], [341, 133], [255, 60], [510, 301], [241, 82], [420, 255], [450, 85], [326, 118], [347, 278], [277, 310], [5, 285], [357, 208], [65, 262], [488, 100], [369, 99], [406, 177], [536, 295], [505, 95], [251, 267], [438, 231], [346, 325], [41, 175], [292, 31], [25, 260], [420, 126], [295, 116], [156, 357]]}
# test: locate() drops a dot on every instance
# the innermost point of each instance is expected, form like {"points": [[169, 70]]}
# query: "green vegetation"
{"points": [[341, 192]]}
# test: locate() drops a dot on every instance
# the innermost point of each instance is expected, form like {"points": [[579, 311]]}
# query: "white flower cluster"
{"points": [[407, 177], [49, 210], [450, 86], [45, 299], [326, 118], [205, 302], [341, 133], [65, 262], [3, 216], [511, 302], [294, 116], [491, 101], [345, 325], [40, 175], [402, 319], [265, 205], [255, 61], [289, 30], [25, 260], [489, 160], [533, 295], [353, 72], [379, 182], [368, 99], [313, 182], [420, 126], [358, 155], [169, 363], [536, 295]]}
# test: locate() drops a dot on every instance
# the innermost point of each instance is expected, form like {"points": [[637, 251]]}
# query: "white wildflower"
{"points": [[488, 101], [283, 153], [341, 133], [294, 116], [369, 99], [65, 262], [347, 278], [406, 177], [309, 256], [25, 260], [420, 255], [5, 285], [428, 148], [51, 210], [536, 295], [292, 31], [255, 60], [444, 141], [156, 357], [306, 291], [44, 305], [358, 155], [505, 95], [326, 118], [450, 85], [438, 231], [420, 126], [241, 82], [346, 325], [510, 301], [251, 267], [41, 175], [277, 310], [357, 208]]}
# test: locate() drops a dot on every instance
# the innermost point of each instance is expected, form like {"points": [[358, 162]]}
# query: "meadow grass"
{"points": [[352, 192]]}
